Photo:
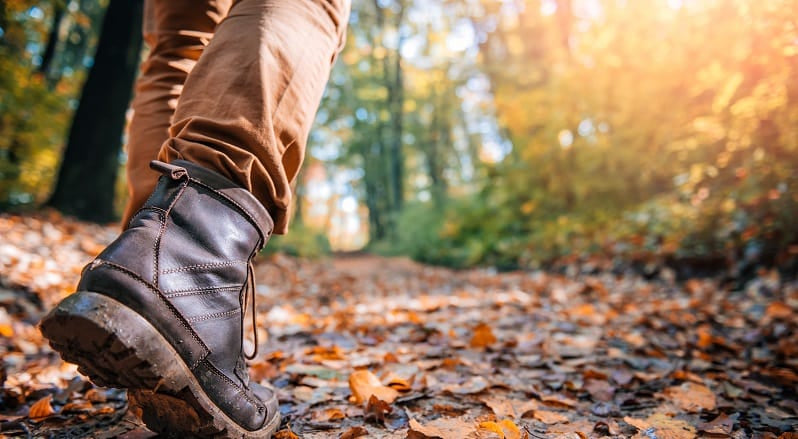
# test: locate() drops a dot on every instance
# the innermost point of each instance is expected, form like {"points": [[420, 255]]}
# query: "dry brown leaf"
{"points": [[41, 409], [331, 414], [354, 432], [377, 408], [558, 401], [664, 427], [582, 428], [779, 310], [262, 370], [364, 384], [692, 397], [722, 425], [95, 395], [548, 417], [505, 429], [640, 424], [83, 406], [285, 434], [397, 382], [483, 336], [472, 385], [510, 408], [444, 428]]}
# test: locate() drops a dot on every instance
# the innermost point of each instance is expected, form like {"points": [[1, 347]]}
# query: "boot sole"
{"points": [[116, 347]]}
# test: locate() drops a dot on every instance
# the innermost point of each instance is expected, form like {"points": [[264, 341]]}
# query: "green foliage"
{"points": [[36, 107], [33, 122], [303, 241], [679, 141]]}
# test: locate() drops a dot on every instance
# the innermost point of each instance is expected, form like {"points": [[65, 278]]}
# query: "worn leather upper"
{"points": [[182, 263]]}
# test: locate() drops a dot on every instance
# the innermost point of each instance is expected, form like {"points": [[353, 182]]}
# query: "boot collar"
{"points": [[239, 197]]}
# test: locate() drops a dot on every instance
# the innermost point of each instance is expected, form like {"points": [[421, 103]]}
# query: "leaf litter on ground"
{"points": [[364, 346]]}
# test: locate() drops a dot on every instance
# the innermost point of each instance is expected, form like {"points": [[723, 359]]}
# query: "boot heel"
{"points": [[111, 344]]}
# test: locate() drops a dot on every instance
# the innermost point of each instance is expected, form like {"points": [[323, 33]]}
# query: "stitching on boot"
{"points": [[201, 266], [215, 315], [168, 304], [199, 291], [158, 210], [164, 222], [242, 390]]}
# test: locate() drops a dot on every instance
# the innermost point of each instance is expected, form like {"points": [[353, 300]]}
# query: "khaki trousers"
{"points": [[232, 85]]}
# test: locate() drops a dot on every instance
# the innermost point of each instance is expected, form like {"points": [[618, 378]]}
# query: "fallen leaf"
{"points": [[331, 414], [506, 429], [548, 417], [558, 401], [511, 431], [83, 406], [510, 408], [365, 384], [41, 409], [285, 434], [444, 428], [395, 381], [779, 310], [472, 385], [6, 330], [640, 424], [721, 425], [377, 408], [492, 426], [354, 432], [692, 397], [581, 427], [483, 336], [663, 427]]}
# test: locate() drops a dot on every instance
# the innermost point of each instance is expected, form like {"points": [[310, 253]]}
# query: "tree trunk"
{"points": [[86, 181], [59, 10]]}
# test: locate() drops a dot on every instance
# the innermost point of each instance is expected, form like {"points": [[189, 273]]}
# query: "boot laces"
{"points": [[249, 299]]}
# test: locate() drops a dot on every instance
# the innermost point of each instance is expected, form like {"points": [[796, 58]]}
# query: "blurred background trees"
{"points": [[509, 133]]}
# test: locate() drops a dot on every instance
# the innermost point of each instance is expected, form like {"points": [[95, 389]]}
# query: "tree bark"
{"points": [[86, 181], [59, 10]]}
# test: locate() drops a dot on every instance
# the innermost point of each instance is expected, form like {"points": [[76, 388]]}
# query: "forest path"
{"points": [[450, 354]]}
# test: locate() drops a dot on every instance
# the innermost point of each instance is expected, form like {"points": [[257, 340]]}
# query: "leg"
{"points": [[176, 32], [248, 105], [161, 310]]}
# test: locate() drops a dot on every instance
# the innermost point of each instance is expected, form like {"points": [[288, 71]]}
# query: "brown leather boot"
{"points": [[161, 310]]}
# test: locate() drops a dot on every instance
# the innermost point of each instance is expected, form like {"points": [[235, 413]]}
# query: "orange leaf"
{"points": [[483, 336], [354, 432], [444, 428], [41, 409], [692, 397], [548, 417], [6, 330], [285, 434], [365, 384], [492, 426], [511, 431]]}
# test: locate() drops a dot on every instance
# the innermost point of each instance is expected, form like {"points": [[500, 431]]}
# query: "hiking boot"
{"points": [[161, 310]]}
